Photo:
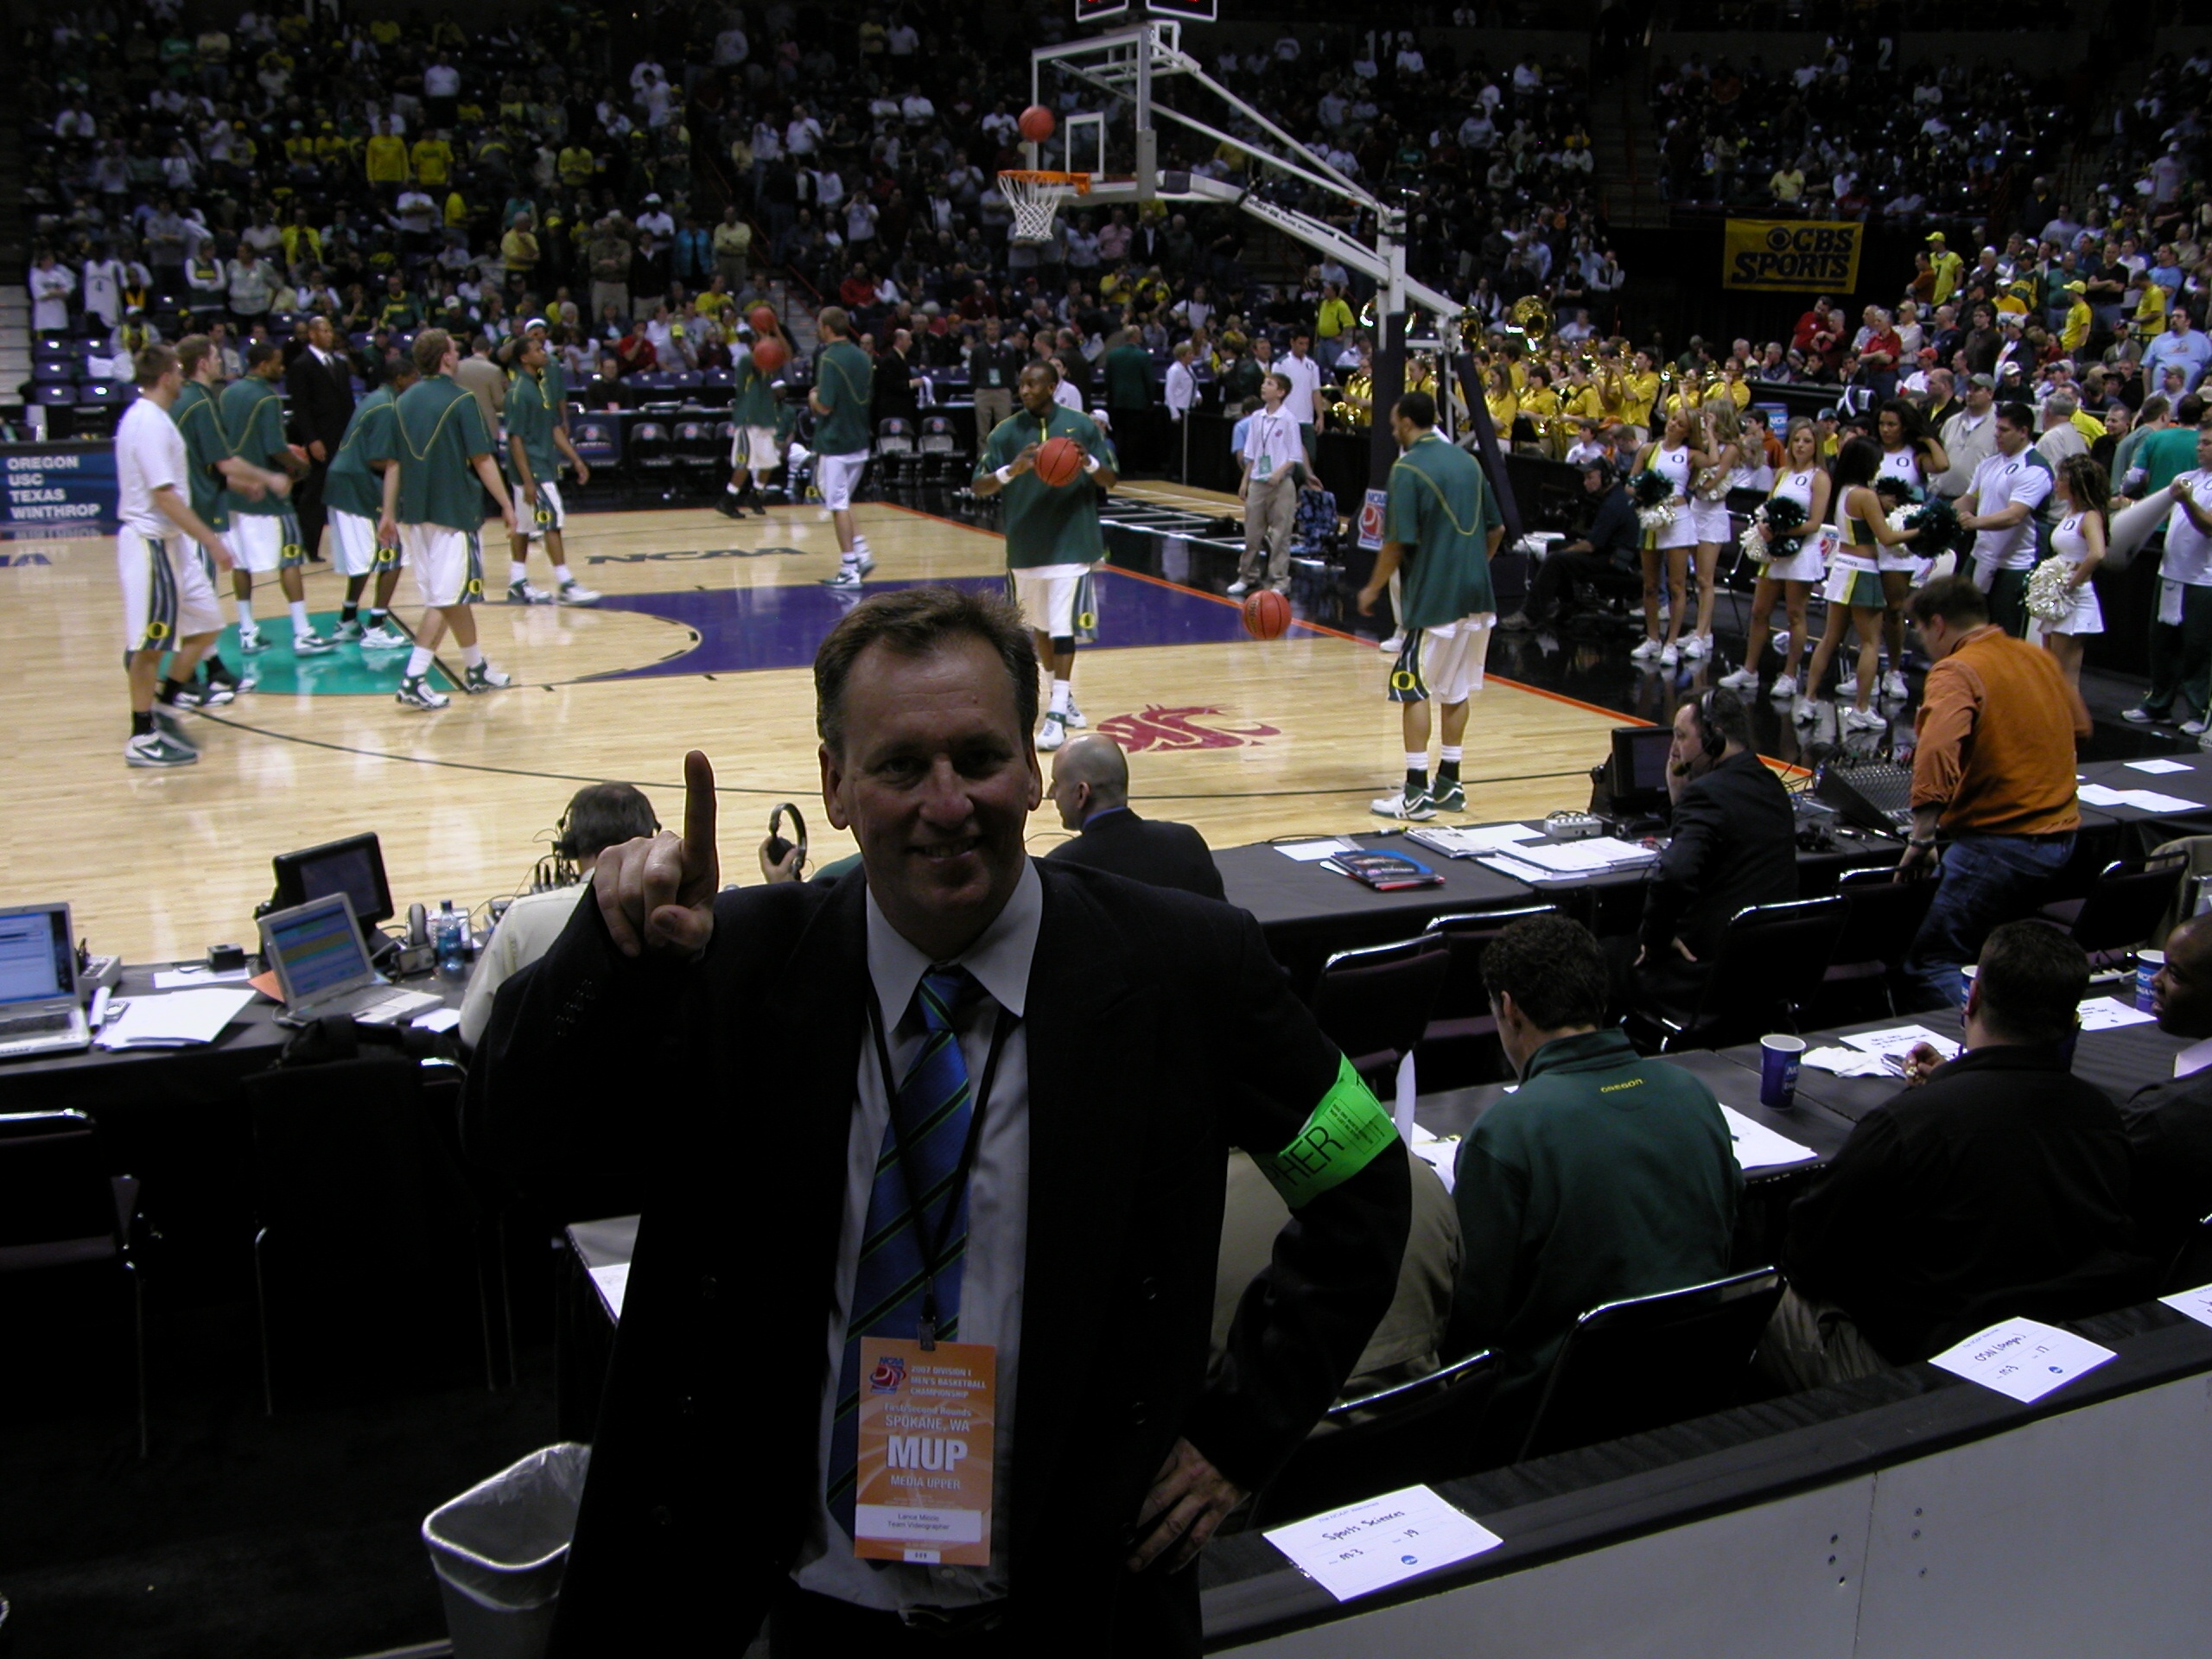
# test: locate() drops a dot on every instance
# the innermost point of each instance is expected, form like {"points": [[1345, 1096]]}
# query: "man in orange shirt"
{"points": [[1994, 771]]}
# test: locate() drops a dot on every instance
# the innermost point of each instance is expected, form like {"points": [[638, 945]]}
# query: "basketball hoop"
{"points": [[1035, 198]]}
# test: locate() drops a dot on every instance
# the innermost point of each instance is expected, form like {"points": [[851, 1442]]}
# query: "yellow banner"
{"points": [[1791, 255]]}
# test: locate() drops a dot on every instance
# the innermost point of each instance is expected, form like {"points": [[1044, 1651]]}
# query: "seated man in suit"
{"points": [[1994, 1185], [1091, 787], [1604, 1176], [2170, 1124], [1733, 843]]}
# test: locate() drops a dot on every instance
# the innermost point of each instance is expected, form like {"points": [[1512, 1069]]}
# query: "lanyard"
{"points": [[932, 1241]]}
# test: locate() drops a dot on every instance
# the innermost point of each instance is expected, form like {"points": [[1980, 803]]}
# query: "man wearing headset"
{"points": [[1734, 842]]}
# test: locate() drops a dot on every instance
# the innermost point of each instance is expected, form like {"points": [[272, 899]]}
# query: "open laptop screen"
{"points": [[36, 964], [321, 948]]}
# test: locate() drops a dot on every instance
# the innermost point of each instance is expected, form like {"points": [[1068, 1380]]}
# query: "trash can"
{"points": [[499, 1550]]}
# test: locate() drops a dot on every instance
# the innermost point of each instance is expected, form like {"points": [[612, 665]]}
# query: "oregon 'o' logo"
{"points": [[474, 589], [157, 630], [1778, 239], [387, 556], [1403, 680], [1087, 621], [294, 553]]}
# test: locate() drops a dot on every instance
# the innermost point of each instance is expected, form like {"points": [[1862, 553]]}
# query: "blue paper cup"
{"points": [[1779, 1057]]}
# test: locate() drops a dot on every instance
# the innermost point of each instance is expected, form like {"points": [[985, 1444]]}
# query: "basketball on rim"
{"points": [[763, 319], [1059, 460], [1267, 614], [1037, 124], [769, 355]]}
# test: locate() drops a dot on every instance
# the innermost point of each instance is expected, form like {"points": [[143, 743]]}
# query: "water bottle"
{"points": [[450, 933]]}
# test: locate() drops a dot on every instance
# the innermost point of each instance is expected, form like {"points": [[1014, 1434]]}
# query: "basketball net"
{"points": [[1035, 198]]}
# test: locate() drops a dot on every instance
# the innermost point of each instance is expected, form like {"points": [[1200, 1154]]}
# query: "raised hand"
{"points": [[657, 894]]}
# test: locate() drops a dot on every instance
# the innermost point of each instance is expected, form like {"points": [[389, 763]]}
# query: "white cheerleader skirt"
{"points": [[1854, 580], [1710, 520], [2086, 616], [1808, 563]]}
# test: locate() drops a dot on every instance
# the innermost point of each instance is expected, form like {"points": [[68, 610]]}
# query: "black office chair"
{"points": [[938, 446], [1770, 965], [897, 456], [1458, 1046], [1422, 1431], [1642, 1363], [61, 1209], [370, 1251], [1373, 1003], [1883, 920], [2123, 907]]}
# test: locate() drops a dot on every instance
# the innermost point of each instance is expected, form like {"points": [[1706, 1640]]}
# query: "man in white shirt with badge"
{"points": [[1999, 507], [1970, 436], [1273, 457]]}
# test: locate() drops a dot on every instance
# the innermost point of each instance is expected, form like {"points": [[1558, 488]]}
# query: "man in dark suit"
{"points": [[1733, 843], [2170, 1124], [1091, 787], [1124, 1037], [319, 385]]}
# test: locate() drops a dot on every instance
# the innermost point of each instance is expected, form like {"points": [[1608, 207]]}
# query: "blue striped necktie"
{"points": [[930, 1119]]}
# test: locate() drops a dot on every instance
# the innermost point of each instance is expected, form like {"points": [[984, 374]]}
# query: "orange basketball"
{"points": [[1267, 614], [1060, 462], [763, 319], [1037, 124], [769, 355]]}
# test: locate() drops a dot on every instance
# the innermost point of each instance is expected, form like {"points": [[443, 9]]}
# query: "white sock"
{"points": [[730, 489], [419, 661], [1416, 762], [561, 575], [1061, 696], [1449, 754], [472, 655], [861, 548], [853, 555], [300, 623], [377, 616], [517, 571], [245, 615]]}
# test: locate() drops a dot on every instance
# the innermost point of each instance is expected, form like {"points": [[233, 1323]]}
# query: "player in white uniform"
{"points": [[169, 601], [2086, 494], [1672, 458], [1792, 580]]}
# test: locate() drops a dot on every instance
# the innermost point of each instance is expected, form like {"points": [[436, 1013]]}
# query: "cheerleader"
{"points": [[1723, 454], [1673, 459], [1805, 481], [2085, 494], [1854, 583], [1912, 456]]}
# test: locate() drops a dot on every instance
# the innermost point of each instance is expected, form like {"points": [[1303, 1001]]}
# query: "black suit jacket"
{"points": [[1735, 843], [2170, 1134], [321, 399], [1160, 1033], [1162, 853]]}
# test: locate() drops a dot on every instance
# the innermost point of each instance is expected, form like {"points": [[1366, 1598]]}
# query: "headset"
{"points": [[779, 848], [1714, 740], [602, 824]]}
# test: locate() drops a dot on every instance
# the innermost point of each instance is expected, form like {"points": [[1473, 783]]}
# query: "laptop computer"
{"points": [[323, 967], [39, 1013]]}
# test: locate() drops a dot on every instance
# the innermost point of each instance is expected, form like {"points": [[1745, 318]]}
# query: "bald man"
{"points": [[2170, 1124], [1091, 787]]}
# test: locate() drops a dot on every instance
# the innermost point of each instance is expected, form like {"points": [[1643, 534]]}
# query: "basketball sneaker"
{"points": [[1893, 685], [1414, 807], [1863, 720], [385, 636], [847, 579], [204, 696], [346, 632], [521, 592], [1072, 717], [1239, 588], [1846, 687], [311, 643], [1694, 646], [867, 561], [730, 507], [484, 677], [252, 642], [152, 749], [1785, 690], [1053, 734], [1668, 656], [1646, 649], [1448, 797], [1745, 679], [1393, 646], [415, 693], [172, 730], [574, 592], [1810, 709]]}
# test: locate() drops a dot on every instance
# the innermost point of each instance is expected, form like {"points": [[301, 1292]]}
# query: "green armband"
{"points": [[1340, 1139]]}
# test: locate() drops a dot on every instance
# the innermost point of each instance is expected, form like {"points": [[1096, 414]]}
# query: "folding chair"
{"points": [[1422, 1431], [1374, 1003], [1770, 961]]}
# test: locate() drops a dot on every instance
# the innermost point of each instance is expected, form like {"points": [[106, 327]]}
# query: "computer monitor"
{"points": [[353, 867], [1639, 769], [38, 957]]}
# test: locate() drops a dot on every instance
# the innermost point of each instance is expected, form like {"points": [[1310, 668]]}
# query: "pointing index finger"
{"points": [[698, 809]]}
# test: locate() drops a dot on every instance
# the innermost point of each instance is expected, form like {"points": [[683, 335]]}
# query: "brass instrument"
{"points": [[1531, 319], [1356, 408]]}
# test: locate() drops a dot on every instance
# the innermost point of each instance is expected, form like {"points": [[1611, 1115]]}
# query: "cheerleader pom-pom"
{"points": [[1754, 544], [1649, 488], [1937, 521], [2050, 591], [1784, 514]]}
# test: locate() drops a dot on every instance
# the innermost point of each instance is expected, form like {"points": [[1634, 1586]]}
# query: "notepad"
{"points": [[179, 1019], [1472, 842], [1312, 852], [2102, 1013], [1756, 1147], [2156, 767]]}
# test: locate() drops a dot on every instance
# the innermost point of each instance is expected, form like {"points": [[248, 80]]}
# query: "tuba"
{"points": [[1531, 319]]}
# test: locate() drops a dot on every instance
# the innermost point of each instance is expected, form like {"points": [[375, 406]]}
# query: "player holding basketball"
{"points": [[433, 488], [1052, 532], [536, 442], [753, 448], [844, 380], [1443, 528], [264, 535], [353, 495]]}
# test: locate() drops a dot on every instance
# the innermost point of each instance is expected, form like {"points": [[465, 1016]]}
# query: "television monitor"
{"points": [[353, 867], [1639, 769]]}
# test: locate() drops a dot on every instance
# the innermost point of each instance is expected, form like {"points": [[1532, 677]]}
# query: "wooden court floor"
{"points": [[704, 642]]}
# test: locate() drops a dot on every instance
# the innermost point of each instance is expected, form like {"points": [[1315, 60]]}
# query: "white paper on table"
{"points": [[1848, 1063], [174, 1020], [2196, 1303], [1756, 1147], [1312, 852], [2102, 1013], [1515, 869], [1898, 1040], [2155, 766], [2101, 795], [185, 979], [2022, 1359], [1439, 1151], [1481, 838], [2149, 800], [437, 1019], [612, 1280], [1370, 1546]]}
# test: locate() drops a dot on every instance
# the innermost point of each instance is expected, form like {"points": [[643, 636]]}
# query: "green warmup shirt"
{"points": [[2164, 455], [253, 414], [1045, 524], [844, 379], [530, 418], [556, 391], [352, 484], [1128, 378], [206, 448], [755, 402], [436, 432], [1441, 513]]}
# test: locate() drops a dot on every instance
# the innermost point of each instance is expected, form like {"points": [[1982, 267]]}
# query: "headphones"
{"points": [[1715, 741], [778, 847], [601, 826]]}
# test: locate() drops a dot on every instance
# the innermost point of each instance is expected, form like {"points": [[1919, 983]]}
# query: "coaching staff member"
{"points": [[1139, 1034], [319, 385], [1090, 788], [1994, 771]]}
